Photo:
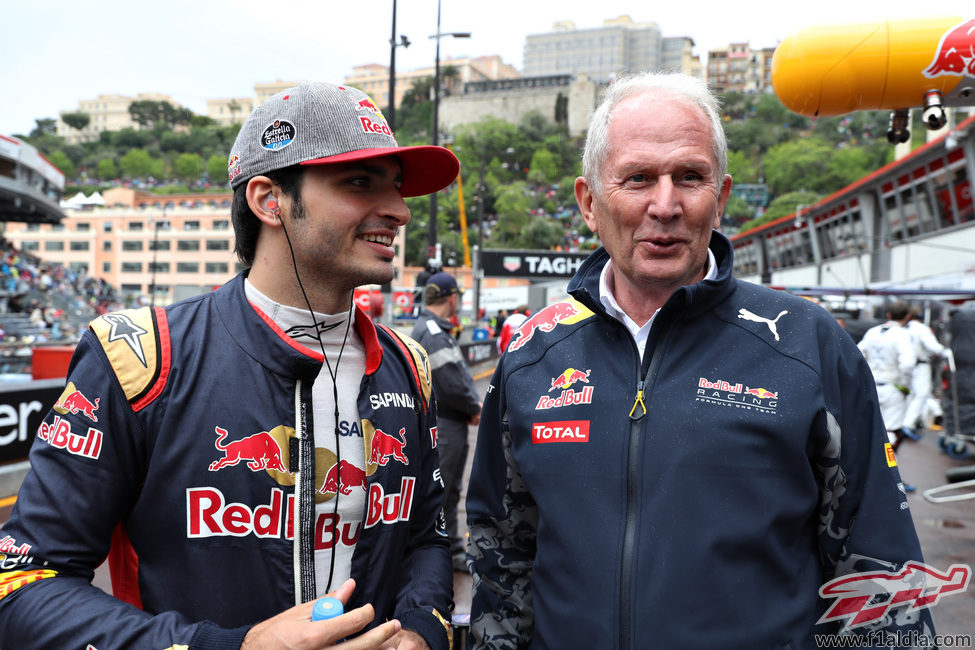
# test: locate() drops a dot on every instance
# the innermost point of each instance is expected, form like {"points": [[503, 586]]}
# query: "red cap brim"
{"points": [[426, 168]]}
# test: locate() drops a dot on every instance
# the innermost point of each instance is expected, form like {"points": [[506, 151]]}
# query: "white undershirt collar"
{"points": [[608, 300]]}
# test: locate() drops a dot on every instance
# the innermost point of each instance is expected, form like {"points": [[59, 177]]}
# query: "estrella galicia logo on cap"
{"points": [[278, 135]]}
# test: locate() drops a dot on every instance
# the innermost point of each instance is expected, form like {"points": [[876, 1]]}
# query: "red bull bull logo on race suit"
{"points": [[956, 52], [546, 319], [73, 402], [343, 477], [260, 451], [385, 446]]}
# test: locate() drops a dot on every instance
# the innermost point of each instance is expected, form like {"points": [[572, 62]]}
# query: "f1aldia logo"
{"points": [[863, 598]]}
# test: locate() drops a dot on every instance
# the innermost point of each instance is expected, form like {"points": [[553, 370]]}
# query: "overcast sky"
{"points": [[55, 53]]}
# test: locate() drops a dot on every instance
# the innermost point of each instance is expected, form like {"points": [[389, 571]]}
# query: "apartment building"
{"points": [[739, 68], [107, 113], [601, 53], [373, 78]]}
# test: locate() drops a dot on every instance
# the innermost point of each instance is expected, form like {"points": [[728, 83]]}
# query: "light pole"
{"points": [[432, 229], [155, 254], [404, 42]]}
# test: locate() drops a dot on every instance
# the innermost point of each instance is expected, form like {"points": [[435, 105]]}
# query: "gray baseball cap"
{"points": [[320, 124]]}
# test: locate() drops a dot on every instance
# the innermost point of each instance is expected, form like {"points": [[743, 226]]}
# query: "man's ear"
{"points": [[723, 195], [585, 198], [262, 199]]}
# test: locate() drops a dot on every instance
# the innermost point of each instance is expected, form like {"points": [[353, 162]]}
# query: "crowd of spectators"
{"points": [[44, 303]]}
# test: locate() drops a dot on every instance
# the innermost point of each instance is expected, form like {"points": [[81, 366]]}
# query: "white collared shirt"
{"points": [[608, 300]]}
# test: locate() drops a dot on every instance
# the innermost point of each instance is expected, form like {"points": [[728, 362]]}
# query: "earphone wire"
{"points": [[336, 532]]}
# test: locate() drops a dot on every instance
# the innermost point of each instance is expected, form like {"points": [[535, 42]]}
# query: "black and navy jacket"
{"points": [[182, 450], [699, 497]]}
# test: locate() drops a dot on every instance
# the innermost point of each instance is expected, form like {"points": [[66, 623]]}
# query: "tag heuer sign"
{"points": [[531, 264]]}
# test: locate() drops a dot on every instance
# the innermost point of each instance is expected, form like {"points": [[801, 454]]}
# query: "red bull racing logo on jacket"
{"points": [[737, 394]]}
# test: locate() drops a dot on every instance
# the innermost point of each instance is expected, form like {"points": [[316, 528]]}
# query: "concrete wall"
{"points": [[512, 103]]}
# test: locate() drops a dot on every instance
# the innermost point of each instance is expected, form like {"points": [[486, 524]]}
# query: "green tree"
{"points": [[217, 169], [44, 126], [150, 114], [129, 138], [60, 160], [543, 168], [798, 164], [513, 206], [542, 234], [742, 168], [137, 163], [106, 169], [76, 121], [188, 167]]}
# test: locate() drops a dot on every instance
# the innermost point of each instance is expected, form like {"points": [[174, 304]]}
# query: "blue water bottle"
{"points": [[325, 608]]}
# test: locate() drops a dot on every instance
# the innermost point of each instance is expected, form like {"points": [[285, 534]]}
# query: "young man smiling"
{"points": [[257, 446]]}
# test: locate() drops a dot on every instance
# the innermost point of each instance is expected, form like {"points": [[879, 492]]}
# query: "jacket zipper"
{"points": [[305, 506], [636, 415]]}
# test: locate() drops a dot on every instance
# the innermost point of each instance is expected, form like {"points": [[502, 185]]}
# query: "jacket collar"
{"points": [[257, 335], [691, 299]]}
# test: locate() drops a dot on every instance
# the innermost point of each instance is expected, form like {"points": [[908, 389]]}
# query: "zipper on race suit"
{"points": [[304, 552]]}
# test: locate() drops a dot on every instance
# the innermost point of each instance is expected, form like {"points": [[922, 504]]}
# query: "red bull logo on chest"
{"points": [[343, 477], [260, 451], [546, 320]]}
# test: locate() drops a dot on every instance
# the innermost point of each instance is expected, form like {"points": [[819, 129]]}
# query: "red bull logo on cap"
{"points": [[956, 52], [233, 167], [368, 105], [546, 319]]}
